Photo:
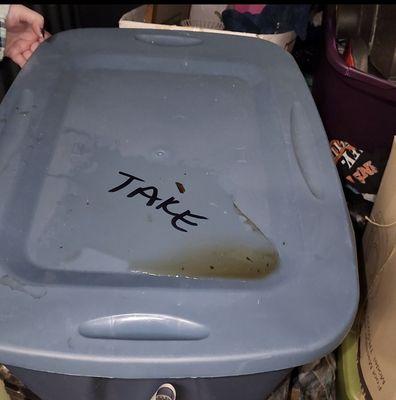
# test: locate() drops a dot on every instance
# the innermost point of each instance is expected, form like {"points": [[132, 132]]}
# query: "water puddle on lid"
{"points": [[228, 261]]}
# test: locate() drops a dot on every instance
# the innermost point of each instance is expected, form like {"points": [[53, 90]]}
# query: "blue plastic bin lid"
{"points": [[169, 208]]}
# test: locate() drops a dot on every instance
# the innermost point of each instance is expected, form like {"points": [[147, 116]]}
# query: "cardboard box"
{"points": [[377, 361], [170, 13], [166, 14], [139, 18]]}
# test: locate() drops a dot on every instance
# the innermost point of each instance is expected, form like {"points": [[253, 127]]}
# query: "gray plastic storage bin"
{"points": [[169, 212]]}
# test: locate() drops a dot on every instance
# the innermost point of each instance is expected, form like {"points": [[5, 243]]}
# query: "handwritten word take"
{"points": [[151, 193]]}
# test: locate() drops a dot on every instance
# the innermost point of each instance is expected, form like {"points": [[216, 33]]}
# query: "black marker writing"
{"points": [[164, 205], [176, 216], [153, 197], [130, 179], [181, 218], [151, 193]]}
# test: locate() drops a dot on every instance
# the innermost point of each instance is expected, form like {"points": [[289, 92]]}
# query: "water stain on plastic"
{"points": [[226, 260], [233, 262], [14, 284]]}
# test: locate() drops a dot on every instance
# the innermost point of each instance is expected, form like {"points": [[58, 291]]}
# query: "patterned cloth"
{"points": [[314, 381], [3, 14]]}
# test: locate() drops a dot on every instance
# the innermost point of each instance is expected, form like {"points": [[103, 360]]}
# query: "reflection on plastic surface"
{"points": [[143, 327]]}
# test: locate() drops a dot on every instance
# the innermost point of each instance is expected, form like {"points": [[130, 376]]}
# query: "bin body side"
{"points": [[49, 386]]}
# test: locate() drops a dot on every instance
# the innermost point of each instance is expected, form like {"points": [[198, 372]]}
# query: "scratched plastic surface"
{"points": [[168, 197]]}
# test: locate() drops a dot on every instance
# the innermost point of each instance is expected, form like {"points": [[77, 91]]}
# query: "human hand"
{"points": [[25, 32]]}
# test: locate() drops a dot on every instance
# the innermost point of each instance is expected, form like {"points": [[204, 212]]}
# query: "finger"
{"points": [[36, 20], [18, 58], [27, 54], [15, 51], [34, 46], [38, 28], [46, 36], [18, 46]]}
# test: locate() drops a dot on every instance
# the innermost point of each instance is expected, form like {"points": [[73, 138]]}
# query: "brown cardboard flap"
{"points": [[170, 13], [378, 242], [378, 335]]}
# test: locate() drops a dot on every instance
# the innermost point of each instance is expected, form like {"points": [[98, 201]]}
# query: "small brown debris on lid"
{"points": [[180, 187]]}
